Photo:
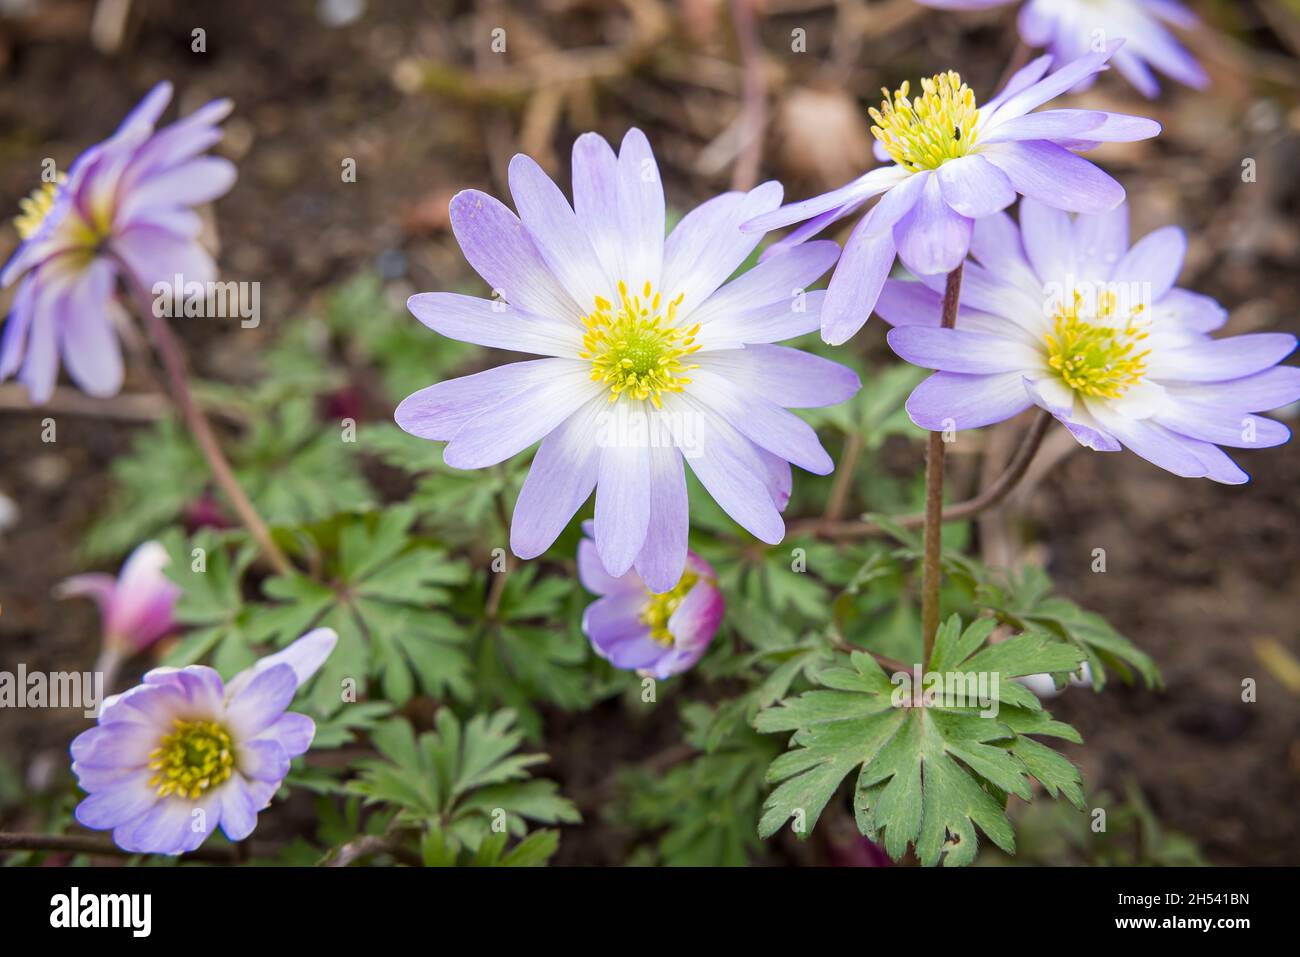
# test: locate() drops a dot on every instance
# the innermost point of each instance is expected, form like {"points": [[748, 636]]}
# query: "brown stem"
{"points": [[931, 571], [839, 496], [990, 496], [173, 360], [100, 846], [753, 109]]}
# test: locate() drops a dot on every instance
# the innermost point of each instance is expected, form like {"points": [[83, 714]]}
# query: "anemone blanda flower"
{"points": [[1061, 313], [183, 742], [137, 606], [634, 628], [651, 353], [1070, 28], [953, 163], [122, 211]]}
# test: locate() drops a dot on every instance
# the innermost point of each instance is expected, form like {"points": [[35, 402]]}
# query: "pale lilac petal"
{"points": [[1100, 242], [1050, 87], [899, 201], [1270, 389], [1154, 262], [592, 574], [240, 803], [808, 229], [124, 801], [502, 251], [933, 238], [1190, 311], [496, 324], [974, 187], [166, 828], [622, 504], [1152, 442], [262, 760], [730, 470], [293, 732], [867, 185], [305, 656], [856, 285], [791, 378], [259, 703], [122, 744], [663, 555], [1022, 79], [560, 240], [1047, 125], [778, 283], [1223, 426], [951, 400], [1048, 234], [1055, 176], [764, 423], [191, 183], [154, 255], [509, 427], [595, 201], [615, 619], [560, 480], [958, 350], [707, 246], [641, 211], [440, 411], [1217, 359]]}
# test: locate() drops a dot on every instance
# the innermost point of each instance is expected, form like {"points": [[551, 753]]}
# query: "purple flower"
{"points": [[1070, 28], [1061, 313], [136, 607], [652, 356], [181, 754], [121, 212], [953, 163], [659, 634]]}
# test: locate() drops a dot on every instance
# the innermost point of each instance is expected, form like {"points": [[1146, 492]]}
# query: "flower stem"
{"points": [[173, 360], [930, 565]]}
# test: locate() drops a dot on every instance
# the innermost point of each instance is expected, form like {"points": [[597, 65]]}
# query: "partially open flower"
{"points": [[1068, 29], [183, 753], [659, 634], [1061, 313], [122, 212], [954, 161], [136, 607]]}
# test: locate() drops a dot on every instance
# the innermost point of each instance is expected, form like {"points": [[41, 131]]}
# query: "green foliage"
{"points": [[381, 590], [464, 789], [932, 768]]}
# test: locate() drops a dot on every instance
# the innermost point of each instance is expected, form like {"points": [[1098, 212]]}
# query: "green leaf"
{"points": [[935, 760]]}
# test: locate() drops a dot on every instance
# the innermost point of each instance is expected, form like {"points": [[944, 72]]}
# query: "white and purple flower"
{"points": [[652, 356], [658, 634], [953, 163], [137, 607], [182, 753], [123, 211], [1070, 28], [1061, 313]]}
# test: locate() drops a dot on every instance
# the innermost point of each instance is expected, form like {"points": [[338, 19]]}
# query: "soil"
{"points": [[1197, 574]]}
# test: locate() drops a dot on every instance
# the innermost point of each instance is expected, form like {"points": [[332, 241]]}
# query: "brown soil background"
{"points": [[1197, 574]]}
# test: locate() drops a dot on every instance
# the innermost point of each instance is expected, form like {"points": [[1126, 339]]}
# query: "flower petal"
{"points": [[952, 400], [1055, 176]]}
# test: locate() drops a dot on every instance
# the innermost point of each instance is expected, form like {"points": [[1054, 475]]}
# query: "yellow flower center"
{"points": [[196, 756], [635, 347], [34, 208], [926, 131], [660, 608], [1098, 356]]}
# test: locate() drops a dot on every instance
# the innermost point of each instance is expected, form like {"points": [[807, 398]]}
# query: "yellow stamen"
{"points": [[34, 208], [659, 608], [197, 756], [635, 347], [1097, 356], [926, 131]]}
